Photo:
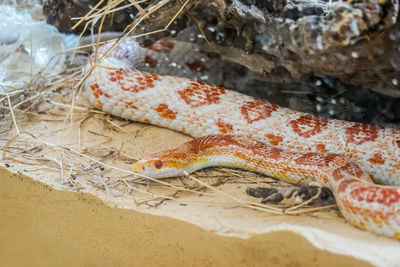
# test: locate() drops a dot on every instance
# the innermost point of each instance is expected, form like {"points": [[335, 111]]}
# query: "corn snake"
{"points": [[237, 130]]}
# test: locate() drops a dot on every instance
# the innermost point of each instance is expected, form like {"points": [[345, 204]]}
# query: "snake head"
{"points": [[188, 157], [161, 165]]}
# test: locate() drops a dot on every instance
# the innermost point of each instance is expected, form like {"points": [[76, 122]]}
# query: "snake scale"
{"points": [[239, 131]]}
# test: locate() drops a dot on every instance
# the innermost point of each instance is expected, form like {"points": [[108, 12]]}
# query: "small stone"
{"points": [[261, 192], [273, 199]]}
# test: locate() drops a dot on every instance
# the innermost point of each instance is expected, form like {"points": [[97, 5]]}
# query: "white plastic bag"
{"points": [[28, 47]]}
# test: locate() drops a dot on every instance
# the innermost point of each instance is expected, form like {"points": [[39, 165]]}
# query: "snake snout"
{"points": [[156, 167], [146, 163]]}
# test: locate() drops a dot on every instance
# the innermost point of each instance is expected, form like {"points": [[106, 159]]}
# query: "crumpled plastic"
{"points": [[29, 47]]}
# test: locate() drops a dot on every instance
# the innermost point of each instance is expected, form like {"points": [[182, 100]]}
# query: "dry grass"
{"points": [[78, 167]]}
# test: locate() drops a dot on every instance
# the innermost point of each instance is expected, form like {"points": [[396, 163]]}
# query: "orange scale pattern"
{"points": [[199, 93], [165, 112], [135, 82]]}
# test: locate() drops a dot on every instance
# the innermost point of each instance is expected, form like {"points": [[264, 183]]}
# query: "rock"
{"points": [[357, 42], [62, 13]]}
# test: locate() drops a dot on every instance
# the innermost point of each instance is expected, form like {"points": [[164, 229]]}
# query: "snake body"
{"points": [[237, 130]]}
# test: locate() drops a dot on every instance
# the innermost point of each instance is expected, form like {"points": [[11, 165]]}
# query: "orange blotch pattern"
{"points": [[224, 128], [378, 217], [135, 82], [256, 148], [384, 196], [321, 148], [130, 105], [308, 125], [99, 105], [96, 90], [361, 133], [317, 159], [377, 159], [165, 112], [199, 94], [344, 184], [347, 171], [255, 110], [274, 139], [94, 86]]}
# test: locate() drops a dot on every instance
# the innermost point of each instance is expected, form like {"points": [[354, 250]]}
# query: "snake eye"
{"points": [[158, 164]]}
